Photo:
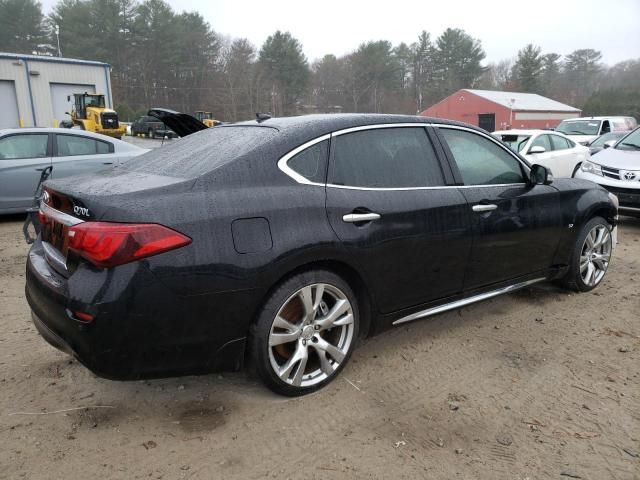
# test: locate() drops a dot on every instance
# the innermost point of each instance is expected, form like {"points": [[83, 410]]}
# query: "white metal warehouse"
{"points": [[34, 89]]}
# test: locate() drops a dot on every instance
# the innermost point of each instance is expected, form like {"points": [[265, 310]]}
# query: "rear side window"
{"points": [[385, 158], [481, 161], [559, 143], [71, 145], [23, 146], [202, 152], [311, 163], [542, 141]]}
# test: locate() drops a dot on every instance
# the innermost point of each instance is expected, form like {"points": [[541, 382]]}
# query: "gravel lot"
{"points": [[539, 384]]}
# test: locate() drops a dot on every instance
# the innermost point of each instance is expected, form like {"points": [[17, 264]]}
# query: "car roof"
{"points": [[320, 124], [516, 131], [617, 117], [69, 131]]}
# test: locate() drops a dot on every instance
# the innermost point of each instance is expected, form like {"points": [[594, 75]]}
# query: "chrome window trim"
{"points": [[466, 301], [493, 139], [284, 167]]}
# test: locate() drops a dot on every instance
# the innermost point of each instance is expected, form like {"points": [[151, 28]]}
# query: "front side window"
{"points": [[399, 157], [24, 146], [71, 145], [481, 161], [311, 163]]}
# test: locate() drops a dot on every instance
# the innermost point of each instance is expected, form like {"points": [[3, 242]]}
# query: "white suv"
{"points": [[586, 129], [618, 170]]}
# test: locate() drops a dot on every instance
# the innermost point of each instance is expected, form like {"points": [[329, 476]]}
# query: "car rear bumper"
{"points": [[142, 331]]}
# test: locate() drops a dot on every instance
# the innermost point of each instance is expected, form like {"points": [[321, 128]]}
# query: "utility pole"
{"points": [[57, 27]]}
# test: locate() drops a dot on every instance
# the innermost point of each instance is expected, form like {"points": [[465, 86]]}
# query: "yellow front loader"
{"points": [[207, 119], [89, 113]]}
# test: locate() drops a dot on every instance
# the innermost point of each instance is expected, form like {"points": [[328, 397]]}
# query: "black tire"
{"points": [[261, 354], [573, 279]]}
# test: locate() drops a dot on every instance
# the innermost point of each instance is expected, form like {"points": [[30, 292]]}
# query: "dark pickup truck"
{"points": [[151, 127]]}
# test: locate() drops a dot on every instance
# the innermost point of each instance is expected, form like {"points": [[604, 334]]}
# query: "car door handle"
{"points": [[360, 217], [484, 207], [107, 163]]}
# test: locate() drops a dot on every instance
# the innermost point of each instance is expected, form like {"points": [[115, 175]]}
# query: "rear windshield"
{"points": [[201, 152]]}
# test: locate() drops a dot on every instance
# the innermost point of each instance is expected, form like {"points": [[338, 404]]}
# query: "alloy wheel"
{"points": [[311, 335], [595, 255]]}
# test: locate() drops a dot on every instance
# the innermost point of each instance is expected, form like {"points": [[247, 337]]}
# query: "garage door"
{"points": [[8, 105], [59, 103]]}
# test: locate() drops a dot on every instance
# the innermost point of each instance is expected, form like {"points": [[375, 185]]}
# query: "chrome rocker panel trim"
{"points": [[466, 301]]}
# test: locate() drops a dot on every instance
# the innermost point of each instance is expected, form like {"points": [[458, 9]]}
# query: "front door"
{"points": [[516, 224], [386, 203], [23, 156]]}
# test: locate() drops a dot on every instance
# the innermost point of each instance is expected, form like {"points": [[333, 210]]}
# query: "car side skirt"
{"points": [[467, 301]]}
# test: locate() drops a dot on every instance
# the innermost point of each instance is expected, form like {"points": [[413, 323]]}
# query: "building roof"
{"points": [[46, 58], [523, 101]]}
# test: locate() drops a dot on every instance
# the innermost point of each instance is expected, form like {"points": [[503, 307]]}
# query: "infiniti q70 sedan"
{"points": [[281, 242]]}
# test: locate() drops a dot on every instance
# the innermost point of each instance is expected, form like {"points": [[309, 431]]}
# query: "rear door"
{"points": [[23, 156], [516, 225], [566, 156], [78, 154], [389, 203]]}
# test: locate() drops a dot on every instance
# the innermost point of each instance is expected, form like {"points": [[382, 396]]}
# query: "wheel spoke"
{"points": [[325, 365], [601, 262], [346, 320], [339, 309], [599, 234], [318, 297], [280, 338], [590, 274], [280, 322], [302, 365], [590, 240], [306, 296], [584, 263], [337, 354], [286, 369]]}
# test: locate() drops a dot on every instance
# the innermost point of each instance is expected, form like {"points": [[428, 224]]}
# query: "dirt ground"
{"points": [[538, 384]]}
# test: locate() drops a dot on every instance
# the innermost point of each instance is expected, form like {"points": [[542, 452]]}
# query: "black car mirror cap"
{"points": [[540, 175]]}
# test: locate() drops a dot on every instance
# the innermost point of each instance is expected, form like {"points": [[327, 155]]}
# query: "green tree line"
{"points": [[160, 57]]}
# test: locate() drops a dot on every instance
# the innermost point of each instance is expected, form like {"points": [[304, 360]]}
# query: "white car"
{"points": [[25, 152], [618, 170], [553, 150], [585, 130]]}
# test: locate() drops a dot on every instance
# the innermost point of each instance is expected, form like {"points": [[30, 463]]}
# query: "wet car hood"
{"points": [[620, 159]]}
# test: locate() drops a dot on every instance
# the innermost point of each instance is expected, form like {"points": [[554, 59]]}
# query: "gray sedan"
{"points": [[25, 152]]}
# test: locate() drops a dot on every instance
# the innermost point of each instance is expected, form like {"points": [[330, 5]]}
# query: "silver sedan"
{"points": [[25, 152]]}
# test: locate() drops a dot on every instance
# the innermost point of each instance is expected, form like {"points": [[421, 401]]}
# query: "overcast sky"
{"points": [[339, 26]]}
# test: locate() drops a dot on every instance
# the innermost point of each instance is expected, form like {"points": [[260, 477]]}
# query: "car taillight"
{"points": [[108, 244]]}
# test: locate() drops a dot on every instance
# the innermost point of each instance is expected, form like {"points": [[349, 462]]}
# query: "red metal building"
{"points": [[494, 110]]}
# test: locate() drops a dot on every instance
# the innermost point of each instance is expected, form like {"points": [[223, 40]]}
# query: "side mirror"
{"points": [[609, 143], [537, 149], [540, 175]]}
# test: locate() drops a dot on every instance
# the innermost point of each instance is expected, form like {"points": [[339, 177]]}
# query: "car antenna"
{"points": [[261, 117]]}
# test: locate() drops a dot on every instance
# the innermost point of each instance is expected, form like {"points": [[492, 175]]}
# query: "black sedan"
{"points": [[281, 242]]}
